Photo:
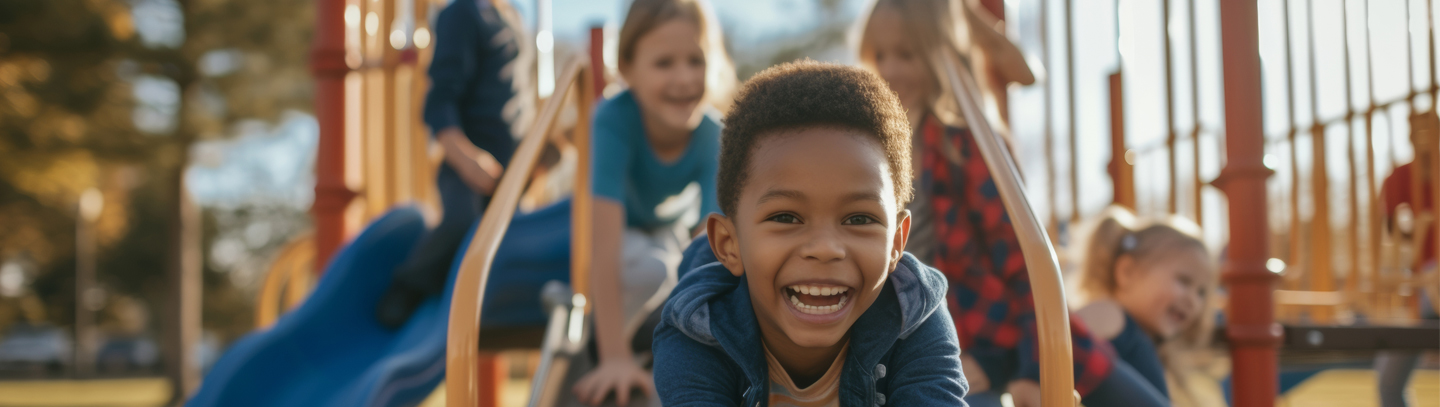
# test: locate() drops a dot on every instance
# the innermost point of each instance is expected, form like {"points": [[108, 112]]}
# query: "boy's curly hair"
{"points": [[804, 94]]}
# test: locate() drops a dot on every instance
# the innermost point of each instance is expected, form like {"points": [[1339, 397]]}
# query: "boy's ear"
{"points": [[902, 236], [724, 242]]}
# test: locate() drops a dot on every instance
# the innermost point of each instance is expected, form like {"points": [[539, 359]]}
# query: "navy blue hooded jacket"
{"points": [[903, 349]]}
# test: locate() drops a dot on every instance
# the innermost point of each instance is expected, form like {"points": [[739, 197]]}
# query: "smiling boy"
{"points": [[806, 296]]}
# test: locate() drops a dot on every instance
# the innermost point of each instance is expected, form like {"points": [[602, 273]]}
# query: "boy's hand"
{"points": [[979, 382], [618, 375], [1026, 393]]}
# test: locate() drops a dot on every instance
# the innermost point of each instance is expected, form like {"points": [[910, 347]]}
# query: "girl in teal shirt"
{"points": [[655, 156], [629, 171]]}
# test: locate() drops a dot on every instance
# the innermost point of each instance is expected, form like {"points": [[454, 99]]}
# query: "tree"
{"points": [[112, 94]]}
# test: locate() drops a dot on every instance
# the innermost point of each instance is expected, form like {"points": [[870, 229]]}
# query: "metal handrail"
{"points": [[289, 274], [463, 338], [1052, 318]]}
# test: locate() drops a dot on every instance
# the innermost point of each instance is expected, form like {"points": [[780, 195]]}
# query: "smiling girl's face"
{"points": [[666, 75], [815, 234], [897, 59], [1164, 294]]}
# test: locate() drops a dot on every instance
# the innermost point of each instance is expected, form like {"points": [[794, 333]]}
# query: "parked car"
{"points": [[36, 349]]}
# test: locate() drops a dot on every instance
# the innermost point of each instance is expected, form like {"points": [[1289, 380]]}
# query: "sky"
{"points": [[745, 21]]}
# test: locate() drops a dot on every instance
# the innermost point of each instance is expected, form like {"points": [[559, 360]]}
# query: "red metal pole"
{"points": [[327, 63], [597, 60], [1253, 334]]}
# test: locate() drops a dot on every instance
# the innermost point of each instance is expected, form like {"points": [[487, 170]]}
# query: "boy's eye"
{"points": [[784, 218], [859, 220], [663, 62]]}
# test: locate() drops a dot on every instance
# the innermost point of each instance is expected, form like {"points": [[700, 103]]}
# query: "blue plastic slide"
{"points": [[331, 352]]}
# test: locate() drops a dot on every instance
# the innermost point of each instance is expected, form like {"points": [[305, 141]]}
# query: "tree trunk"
{"points": [[182, 316]]}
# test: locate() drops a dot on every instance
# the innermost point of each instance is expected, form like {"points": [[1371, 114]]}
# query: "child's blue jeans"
{"points": [[427, 268], [1393, 368]]}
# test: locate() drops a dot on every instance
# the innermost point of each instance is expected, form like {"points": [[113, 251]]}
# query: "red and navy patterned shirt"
{"points": [[979, 253]]}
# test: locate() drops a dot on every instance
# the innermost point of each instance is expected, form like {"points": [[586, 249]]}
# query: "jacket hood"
{"points": [[919, 289]]}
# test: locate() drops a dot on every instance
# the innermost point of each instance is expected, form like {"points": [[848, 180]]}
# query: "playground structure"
{"points": [[1263, 175]]}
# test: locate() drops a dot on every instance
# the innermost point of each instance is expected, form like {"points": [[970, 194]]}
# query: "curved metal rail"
{"points": [[462, 346], [1052, 319], [289, 274]]}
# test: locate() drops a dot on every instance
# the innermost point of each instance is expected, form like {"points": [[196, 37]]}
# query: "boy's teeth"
{"points": [[821, 291], [818, 291], [817, 309]]}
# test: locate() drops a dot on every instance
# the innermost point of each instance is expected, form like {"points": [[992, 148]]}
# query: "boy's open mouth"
{"points": [[817, 299]]}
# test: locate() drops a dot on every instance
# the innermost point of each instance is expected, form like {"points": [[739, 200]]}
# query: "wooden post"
{"points": [[1172, 204], [84, 342], [327, 64], [1376, 215], [1195, 111], [1352, 279], [1433, 151], [1397, 300], [424, 170], [407, 101], [1122, 171], [582, 203], [1052, 222], [1294, 250], [1252, 332], [1073, 132], [183, 313], [378, 96], [401, 108], [1322, 273]]}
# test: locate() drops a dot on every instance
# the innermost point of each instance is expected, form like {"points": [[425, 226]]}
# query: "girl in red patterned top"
{"points": [[960, 225]]}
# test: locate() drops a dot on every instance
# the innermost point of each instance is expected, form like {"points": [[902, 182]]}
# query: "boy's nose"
{"points": [[824, 246]]}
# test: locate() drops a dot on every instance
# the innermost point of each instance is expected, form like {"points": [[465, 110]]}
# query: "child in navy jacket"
{"points": [[805, 296]]}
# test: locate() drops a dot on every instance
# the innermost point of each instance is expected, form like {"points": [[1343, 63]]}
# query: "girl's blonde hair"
{"points": [[645, 15], [520, 108], [935, 26], [1119, 232]]}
